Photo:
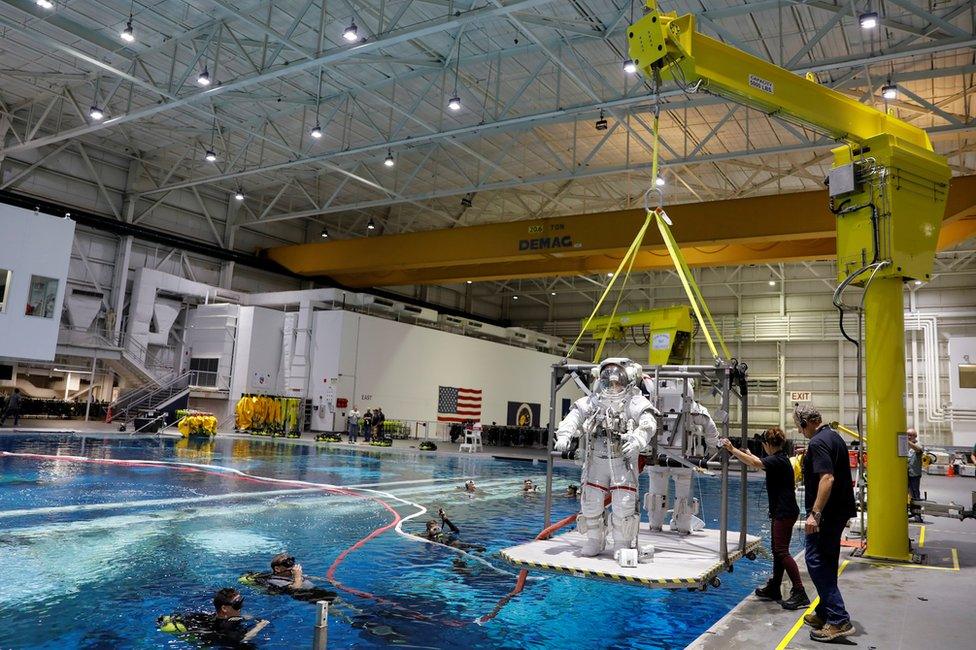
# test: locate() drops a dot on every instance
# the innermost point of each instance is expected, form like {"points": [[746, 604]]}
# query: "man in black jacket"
{"points": [[829, 504]]}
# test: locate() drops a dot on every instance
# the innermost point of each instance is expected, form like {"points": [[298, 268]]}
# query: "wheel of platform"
{"points": [[716, 582]]}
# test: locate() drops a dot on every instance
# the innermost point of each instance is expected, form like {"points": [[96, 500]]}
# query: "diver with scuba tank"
{"points": [[227, 626], [287, 577]]}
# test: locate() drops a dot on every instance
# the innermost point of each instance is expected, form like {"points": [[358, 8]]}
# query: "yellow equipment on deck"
{"points": [[668, 332], [888, 190]]}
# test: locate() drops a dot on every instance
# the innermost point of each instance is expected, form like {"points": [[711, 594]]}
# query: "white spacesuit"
{"points": [[680, 420], [618, 423]]}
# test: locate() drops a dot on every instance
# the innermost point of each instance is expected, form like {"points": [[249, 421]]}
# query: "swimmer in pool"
{"points": [[435, 533], [226, 626], [287, 577], [572, 491], [469, 487], [528, 486]]}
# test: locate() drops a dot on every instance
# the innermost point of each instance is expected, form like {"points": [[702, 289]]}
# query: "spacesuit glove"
{"points": [[562, 442], [632, 444]]}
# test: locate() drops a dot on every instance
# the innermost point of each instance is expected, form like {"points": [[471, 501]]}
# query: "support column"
{"points": [[885, 379], [120, 279]]}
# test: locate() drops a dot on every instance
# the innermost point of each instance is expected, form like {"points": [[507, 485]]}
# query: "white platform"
{"points": [[680, 561]]}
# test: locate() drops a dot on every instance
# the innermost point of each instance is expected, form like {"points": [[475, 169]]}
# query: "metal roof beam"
{"points": [[425, 28]]}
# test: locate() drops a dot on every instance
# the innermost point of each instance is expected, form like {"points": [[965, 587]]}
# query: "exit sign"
{"points": [[801, 396]]}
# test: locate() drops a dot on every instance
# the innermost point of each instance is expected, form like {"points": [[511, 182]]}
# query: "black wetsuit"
{"points": [[217, 632], [266, 581], [451, 538]]}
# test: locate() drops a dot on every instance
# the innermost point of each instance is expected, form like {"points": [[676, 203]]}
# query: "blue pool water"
{"points": [[91, 554]]}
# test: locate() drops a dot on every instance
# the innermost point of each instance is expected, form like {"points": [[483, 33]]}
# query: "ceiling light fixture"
{"points": [[239, 194], [96, 113], [630, 67], [514, 297], [468, 281], [466, 201], [610, 275], [889, 91], [659, 181], [325, 234], [553, 293], [128, 35], [370, 225], [44, 4], [772, 282], [868, 20], [601, 124], [316, 131], [204, 77], [389, 161], [351, 33], [454, 103], [211, 154]]}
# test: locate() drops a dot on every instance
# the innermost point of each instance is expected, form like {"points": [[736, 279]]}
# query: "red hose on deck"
{"points": [[524, 573]]}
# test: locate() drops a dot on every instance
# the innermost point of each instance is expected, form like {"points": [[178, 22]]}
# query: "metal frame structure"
{"points": [[721, 376], [525, 135]]}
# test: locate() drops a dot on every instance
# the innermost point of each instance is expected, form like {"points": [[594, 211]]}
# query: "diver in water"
{"points": [[227, 626], [435, 533], [287, 577], [469, 487]]}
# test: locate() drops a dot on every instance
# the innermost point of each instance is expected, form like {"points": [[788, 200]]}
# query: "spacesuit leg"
{"points": [[685, 506], [591, 521], [624, 518], [656, 501]]}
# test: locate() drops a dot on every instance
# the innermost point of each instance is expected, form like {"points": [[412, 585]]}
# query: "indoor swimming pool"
{"points": [[92, 552]]}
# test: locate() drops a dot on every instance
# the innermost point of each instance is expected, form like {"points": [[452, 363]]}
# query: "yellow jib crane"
{"points": [[888, 189]]}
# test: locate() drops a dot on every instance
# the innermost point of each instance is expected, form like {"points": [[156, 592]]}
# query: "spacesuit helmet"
{"points": [[615, 375]]}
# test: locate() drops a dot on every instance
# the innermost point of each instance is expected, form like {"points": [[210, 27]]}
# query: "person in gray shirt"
{"points": [[12, 409], [915, 453]]}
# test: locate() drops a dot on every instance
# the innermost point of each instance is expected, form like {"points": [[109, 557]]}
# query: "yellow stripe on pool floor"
{"points": [[799, 623]]}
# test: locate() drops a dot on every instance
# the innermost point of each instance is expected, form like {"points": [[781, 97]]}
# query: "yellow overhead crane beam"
{"points": [[888, 192], [754, 230]]}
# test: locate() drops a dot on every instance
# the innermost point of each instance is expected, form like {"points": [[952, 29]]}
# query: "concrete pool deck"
{"points": [[892, 606]]}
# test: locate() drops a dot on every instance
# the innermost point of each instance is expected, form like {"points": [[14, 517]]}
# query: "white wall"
{"points": [[399, 367], [32, 244], [962, 350]]}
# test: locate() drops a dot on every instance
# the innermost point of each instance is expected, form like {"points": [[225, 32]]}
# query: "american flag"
{"points": [[458, 404]]}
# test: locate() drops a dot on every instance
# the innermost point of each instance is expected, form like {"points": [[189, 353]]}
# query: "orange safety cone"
{"points": [[950, 470]]}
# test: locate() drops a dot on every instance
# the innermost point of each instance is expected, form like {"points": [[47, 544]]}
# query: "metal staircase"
{"points": [[150, 397]]}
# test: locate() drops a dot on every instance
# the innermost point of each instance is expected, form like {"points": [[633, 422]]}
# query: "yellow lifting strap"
{"points": [[691, 287], [627, 261]]}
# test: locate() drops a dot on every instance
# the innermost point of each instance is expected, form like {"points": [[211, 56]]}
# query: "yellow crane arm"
{"points": [[888, 187], [681, 53]]}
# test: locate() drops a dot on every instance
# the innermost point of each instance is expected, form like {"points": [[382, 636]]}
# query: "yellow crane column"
{"points": [[887, 472]]}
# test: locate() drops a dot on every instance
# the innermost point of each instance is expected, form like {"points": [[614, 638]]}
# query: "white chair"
{"points": [[472, 440]]}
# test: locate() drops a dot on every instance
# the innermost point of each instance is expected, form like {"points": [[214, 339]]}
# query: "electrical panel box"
{"points": [[840, 181], [895, 211]]}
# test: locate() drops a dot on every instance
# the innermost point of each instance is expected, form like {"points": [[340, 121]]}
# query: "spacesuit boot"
{"points": [[624, 531], [656, 500], [594, 528], [685, 506]]}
